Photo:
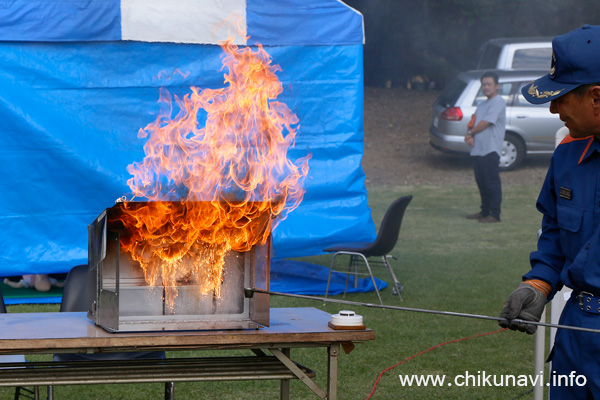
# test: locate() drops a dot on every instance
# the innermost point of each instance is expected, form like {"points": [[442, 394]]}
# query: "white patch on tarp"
{"points": [[187, 21]]}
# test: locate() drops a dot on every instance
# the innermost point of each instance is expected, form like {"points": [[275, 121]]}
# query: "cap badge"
{"points": [[534, 92], [553, 65]]}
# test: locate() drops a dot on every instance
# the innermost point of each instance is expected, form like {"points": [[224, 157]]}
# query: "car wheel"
{"points": [[513, 152]]}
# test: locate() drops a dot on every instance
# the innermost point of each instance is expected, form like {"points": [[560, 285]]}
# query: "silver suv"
{"points": [[530, 129], [516, 53]]}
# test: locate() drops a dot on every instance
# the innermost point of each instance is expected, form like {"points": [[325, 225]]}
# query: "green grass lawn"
{"points": [[445, 262]]}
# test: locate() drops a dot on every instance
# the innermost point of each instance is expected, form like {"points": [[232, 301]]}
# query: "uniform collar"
{"points": [[592, 146]]}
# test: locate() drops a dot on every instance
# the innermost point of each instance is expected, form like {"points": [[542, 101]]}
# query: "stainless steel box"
{"points": [[123, 302]]}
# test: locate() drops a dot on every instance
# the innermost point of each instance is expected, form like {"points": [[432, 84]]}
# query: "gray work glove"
{"points": [[526, 303]]}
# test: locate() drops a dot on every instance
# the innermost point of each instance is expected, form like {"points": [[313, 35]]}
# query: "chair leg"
{"points": [[351, 267], [372, 278], [330, 272], [397, 285], [355, 269]]}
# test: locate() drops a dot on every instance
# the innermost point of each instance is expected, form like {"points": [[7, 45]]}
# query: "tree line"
{"points": [[435, 39]]}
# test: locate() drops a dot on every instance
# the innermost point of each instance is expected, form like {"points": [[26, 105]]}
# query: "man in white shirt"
{"points": [[485, 135]]}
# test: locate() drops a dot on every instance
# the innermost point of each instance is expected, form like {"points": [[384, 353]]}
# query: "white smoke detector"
{"points": [[347, 318]]}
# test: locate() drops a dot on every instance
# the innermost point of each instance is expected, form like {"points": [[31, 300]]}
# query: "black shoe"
{"points": [[475, 216], [489, 220]]}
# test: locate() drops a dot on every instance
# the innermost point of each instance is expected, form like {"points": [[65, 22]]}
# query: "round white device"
{"points": [[346, 318]]}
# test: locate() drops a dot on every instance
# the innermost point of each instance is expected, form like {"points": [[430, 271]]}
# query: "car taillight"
{"points": [[452, 114]]}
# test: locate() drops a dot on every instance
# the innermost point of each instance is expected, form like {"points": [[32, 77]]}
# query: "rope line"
{"points": [[427, 351]]}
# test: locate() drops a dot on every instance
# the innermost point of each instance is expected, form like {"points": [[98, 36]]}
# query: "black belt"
{"points": [[589, 302]]}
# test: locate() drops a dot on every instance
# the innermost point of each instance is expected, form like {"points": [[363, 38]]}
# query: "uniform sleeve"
{"points": [[547, 262]]}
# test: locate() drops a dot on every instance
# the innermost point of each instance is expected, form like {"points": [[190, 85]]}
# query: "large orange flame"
{"points": [[214, 188]]}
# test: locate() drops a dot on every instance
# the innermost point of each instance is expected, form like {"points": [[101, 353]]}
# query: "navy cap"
{"points": [[575, 62]]}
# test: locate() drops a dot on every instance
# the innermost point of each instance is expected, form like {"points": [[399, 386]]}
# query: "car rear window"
{"points": [[504, 90], [532, 58], [489, 57], [451, 93]]}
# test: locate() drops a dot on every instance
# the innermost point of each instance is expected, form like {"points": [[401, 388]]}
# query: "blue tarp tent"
{"points": [[79, 78]]}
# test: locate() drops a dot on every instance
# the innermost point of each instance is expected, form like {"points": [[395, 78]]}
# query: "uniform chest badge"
{"points": [[565, 193]]}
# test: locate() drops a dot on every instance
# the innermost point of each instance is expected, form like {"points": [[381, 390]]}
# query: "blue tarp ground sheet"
{"points": [[33, 300], [30, 295], [298, 277]]}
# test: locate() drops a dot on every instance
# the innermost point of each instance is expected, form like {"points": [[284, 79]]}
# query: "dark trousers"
{"points": [[487, 176], [575, 356]]}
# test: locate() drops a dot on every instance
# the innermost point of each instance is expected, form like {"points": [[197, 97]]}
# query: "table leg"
{"points": [[285, 383], [169, 391], [299, 373], [332, 370]]}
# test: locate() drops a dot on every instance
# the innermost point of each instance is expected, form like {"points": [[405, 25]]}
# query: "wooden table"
{"points": [[51, 333]]}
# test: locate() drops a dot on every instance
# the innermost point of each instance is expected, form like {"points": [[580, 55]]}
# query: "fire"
{"points": [[217, 187]]}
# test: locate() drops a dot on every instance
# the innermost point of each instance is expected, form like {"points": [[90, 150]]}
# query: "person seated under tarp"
{"points": [[39, 282]]}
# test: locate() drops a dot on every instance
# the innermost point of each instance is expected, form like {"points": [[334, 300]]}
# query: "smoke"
{"points": [[435, 39]]}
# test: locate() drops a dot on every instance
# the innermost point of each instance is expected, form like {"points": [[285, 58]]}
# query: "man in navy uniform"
{"points": [[569, 247]]}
